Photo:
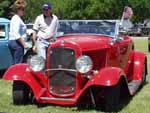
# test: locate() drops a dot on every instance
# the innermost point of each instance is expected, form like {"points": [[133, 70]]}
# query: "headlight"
{"points": [[84, 64], [36, 63]]}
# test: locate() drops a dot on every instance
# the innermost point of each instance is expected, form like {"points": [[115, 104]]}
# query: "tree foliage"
{"points": [[82, 9], [6, 8]]}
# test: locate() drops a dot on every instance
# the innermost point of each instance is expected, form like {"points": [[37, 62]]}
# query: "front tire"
{"points": [[112, 98], [20, 93], [144, 73]]}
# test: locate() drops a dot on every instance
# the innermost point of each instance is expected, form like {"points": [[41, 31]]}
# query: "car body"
{"points": [[5, 60], [89, 64]]}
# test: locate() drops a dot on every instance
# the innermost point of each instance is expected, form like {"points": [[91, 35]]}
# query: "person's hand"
{"points": [[34, 48], [26, 46]]}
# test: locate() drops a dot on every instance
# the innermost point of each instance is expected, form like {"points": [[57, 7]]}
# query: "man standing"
{"points": [[45, 29]]}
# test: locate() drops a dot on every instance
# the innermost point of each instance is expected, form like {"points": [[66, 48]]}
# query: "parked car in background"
{"points": [[90, 64], [5, 60], [136, 30]]}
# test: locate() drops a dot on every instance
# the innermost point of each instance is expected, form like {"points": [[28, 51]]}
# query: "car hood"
{"points": [[87, 42]]}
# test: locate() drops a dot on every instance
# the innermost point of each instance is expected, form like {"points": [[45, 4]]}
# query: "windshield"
{"points": [[104, 27]]}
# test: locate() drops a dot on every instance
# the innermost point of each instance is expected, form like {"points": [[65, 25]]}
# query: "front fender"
{"points": [[107, 76], [16, 72], [21, 72]]}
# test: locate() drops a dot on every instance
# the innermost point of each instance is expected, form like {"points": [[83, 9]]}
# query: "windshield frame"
{"points": [[116, 31]]}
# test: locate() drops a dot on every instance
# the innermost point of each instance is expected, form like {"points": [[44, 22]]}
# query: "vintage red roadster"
{"points": [[91, 63]]}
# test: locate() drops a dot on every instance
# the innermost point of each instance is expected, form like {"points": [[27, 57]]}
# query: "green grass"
{"points": [[140, 103]]}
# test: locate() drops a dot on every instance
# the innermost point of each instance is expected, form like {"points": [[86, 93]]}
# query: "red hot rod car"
{"points": [[89, 64]]}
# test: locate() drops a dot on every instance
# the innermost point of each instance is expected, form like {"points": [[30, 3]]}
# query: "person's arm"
{"points": [[34, 35], [34, 45], [22, 42]]}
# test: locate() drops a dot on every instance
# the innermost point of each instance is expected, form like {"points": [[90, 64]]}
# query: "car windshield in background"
{"points": [[104, 27]]}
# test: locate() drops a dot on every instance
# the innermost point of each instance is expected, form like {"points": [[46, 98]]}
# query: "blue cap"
{"points": [[46, 6]]}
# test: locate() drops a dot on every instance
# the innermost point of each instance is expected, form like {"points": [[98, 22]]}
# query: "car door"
{"points": [[125, 46], [113, 55], [5, 56]]}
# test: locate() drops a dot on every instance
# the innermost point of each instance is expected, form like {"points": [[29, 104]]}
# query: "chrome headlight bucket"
{"points": [[36, 63], [84, 64]]}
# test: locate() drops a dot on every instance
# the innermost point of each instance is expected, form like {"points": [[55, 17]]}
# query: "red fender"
{"points": [[109, 76], [134, 68], [21, 72]]}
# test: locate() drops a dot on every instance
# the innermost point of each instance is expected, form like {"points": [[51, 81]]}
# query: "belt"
{"points": [[45, 42]]}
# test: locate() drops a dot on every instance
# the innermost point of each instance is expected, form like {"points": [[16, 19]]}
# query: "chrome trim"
{"points": [[57, 99], [61, 69]]}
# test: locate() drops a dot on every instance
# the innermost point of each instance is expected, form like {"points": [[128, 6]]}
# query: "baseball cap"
{"points": [[46, 6]]}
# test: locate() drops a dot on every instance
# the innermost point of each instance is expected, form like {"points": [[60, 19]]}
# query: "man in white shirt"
{"points": [[45, 28]]}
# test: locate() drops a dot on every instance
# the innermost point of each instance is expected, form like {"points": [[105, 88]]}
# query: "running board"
{"points": [[57, 99], [133, 86]]}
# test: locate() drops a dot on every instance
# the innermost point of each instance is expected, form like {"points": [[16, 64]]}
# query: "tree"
{"points": [[6, 8], [141, 9], [82, 9]]}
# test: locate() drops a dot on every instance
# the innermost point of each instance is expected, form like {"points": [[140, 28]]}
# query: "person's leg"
{"points": [[18, 55], [12, 48], [41, 50], [17, 51]]}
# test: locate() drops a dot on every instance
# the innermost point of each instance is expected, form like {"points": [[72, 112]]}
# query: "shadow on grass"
{"points": [[124, 102], [73, 108]]}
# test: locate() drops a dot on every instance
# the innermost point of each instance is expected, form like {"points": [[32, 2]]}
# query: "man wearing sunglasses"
{"points": [[45, 28]]}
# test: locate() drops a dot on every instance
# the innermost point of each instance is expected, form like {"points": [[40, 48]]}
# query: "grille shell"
{"points": [[62, 82]]}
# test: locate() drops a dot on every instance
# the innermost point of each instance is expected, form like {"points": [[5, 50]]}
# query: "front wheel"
{"points": [[144, 73], [20, 93], [112, 98]]}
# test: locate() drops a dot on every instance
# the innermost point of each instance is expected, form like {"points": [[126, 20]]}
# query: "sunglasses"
{"points": [[22, 9]]}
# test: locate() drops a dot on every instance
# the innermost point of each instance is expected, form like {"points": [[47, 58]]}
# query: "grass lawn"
{"points": [[140, 103]]}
